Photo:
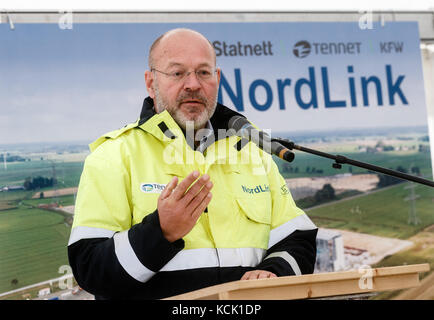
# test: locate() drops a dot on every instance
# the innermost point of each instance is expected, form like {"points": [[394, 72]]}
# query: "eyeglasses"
{"points": [[180, 75]]}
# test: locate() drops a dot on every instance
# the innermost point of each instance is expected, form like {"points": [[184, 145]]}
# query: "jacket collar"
{"points": [[219, 120], [147, 110]]}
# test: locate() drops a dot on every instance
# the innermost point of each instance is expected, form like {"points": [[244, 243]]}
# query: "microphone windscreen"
{"points": [[288, 156], [237, 122]]}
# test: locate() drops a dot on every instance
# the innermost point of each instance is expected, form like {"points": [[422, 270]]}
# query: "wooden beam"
{"points": [[313, 285]]}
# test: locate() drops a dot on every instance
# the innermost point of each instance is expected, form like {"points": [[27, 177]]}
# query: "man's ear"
{"points": [[218, 76], [149, 81]]}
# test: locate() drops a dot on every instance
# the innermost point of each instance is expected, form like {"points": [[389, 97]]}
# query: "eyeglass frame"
{"points": [[187, 73]]}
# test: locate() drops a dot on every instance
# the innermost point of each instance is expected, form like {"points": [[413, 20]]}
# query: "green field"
{"points": [[33, 241], [63, 201], [67, 173], [383, 213], [33, 246], [391, 160]]}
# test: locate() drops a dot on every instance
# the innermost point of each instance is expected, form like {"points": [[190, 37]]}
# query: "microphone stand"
{"points": [[339, 160]]}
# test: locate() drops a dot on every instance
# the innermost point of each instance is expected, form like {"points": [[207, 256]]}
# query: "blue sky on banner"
{"points": [[83, 82]]}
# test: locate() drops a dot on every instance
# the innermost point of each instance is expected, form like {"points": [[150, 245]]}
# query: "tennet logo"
{"points": [[152, 187], [302, 49]]}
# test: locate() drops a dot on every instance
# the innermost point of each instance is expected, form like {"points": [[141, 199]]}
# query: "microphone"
{"points": [[245, 129]]}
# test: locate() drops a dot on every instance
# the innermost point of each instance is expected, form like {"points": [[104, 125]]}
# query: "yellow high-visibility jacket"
{"points": [[116, 247]]}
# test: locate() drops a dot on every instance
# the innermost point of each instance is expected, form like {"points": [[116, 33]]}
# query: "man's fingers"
{"points": [[201, 208], [258, 274], [178, 193], [263, 275], [195, 199], [195, 189], [169, 188], [245, 276], [249, 275]]}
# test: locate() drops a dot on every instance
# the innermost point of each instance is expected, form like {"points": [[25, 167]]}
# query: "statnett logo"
{"points": [[152, 187], [302, 49], [258, 189]]}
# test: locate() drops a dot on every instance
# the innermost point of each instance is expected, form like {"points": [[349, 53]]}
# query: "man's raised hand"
{"points": [[180, 205]]}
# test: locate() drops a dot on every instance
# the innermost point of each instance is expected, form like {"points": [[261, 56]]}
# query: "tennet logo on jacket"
{"points": [[152, 187], [257, 189]]}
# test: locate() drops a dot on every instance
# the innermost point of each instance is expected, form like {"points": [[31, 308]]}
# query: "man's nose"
{"points": [[191, 82]]}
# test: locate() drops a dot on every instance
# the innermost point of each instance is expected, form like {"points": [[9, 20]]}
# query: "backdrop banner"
{"points": [[287, 77], [338, 87]]}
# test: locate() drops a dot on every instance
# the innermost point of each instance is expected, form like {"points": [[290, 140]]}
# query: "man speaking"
{"points": [[168, 204]]}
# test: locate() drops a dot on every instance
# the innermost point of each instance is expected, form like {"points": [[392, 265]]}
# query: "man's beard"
{"points": [[178, 115]]}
